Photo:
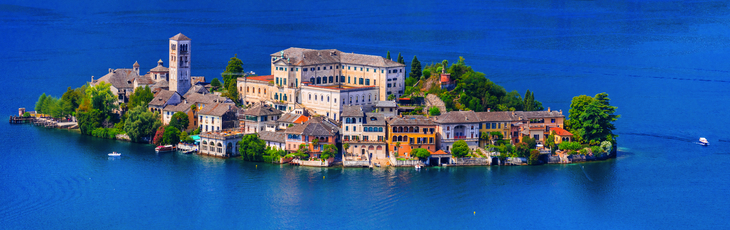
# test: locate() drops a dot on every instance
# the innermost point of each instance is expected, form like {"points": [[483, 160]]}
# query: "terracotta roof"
{"points": [[455, 117], [377, 119], [352, 111], [445, 78], [561, 131], [272, 136], [440, 152], [217, 109], [301, 120], [135, 64], [293, 118], [410, 120], [180, 37], [262, 110], [494, 116], [313, 127]]}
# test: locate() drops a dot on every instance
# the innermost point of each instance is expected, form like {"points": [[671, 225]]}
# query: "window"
{"points": [[382, 71], [348, 79], [342, 78], [361, 81], [330, 67], [388, 84], [348, 67], [401, 70], [360, 68], [297, 69], [337, 67], [354, 128], [367, 81], [317, 67], [312, 69], [552, 120], [310, 97], [499, 125], [328, 99], [367, 69]]}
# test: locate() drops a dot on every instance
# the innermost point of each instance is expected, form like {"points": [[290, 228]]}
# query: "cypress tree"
{"points": [[400, 59], [388, 55], [415, 68]]}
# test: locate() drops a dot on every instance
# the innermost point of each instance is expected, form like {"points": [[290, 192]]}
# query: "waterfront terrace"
{"points": [[222, 143]]}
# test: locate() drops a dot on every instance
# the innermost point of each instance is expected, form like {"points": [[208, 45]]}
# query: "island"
{"points": [[325, 108]]}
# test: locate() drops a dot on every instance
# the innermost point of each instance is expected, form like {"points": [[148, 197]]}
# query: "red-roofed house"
{"points": [[561, 135]]}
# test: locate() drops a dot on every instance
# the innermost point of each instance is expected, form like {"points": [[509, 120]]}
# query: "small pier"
{"points": [[21, 120]]}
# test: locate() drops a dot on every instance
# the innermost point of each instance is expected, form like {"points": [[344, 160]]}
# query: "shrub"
{"points": [[596, 150], [534, 157], [420, 153], [582, 151]]}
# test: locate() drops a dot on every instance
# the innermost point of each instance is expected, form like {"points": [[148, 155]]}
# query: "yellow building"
{"points": [[409, 132], [494, 122]]}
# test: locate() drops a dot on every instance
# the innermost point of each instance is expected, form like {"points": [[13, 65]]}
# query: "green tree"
{"points": [[315, 142], [530, 142], [534, 157], [252, 148], [346, 146], [215, 84], [70, 101], [426, 74], [171, 136], [522, 150], [329, 151], [400, 59], [388, 55], [460, 149], [102, 98], [434, 111], [416, 71], [180, 120], [550, 142], [420, 153], [233, 71], [141, 96], [141, 124], [39, 103], [89, 120], [574, 146], [233, 94], [26, 114]]}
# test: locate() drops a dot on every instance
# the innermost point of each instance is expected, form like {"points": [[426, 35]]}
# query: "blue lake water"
{"points": [[663, 63]]}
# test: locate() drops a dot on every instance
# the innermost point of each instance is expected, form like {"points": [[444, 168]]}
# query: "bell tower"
{"points": [[180, 63]]}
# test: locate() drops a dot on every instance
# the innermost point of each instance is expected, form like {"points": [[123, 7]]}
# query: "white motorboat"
{"points": [[115, 154], [418, 166], [166, 148], [704, 141]]}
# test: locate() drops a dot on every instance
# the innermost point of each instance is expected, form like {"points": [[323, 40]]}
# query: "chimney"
{"points": [[110, 70], [186, 101], [548, 109], [513, 113], [92, 78], [561, 112]]}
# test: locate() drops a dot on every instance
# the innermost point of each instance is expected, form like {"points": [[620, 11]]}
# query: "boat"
{"points": [[418, 166], [115, 154], [166, 148], [704, 142]]}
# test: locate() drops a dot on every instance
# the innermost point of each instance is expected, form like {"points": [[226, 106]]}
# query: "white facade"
{"points": [[450, 133], [209, 123], [180, 64], [328, 101]]}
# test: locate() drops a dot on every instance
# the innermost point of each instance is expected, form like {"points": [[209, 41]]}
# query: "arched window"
{"points": [[322, 98], [400, 129], [276, 96], [310, 96], [400, 138], [246, 89], [328, 98], [331, 80], [311, 80], [369, 97], [284, 97], [395, 138], [319, 80], [264, 91]]}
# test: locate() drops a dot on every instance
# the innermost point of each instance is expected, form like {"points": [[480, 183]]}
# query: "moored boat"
{"points": [[166, 148], [115, 154]]}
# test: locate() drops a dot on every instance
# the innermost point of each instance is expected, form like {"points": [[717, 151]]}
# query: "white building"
{"points": [[457, 125]]}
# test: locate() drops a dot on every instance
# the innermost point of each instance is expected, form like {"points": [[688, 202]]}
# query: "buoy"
{"points": [[322, 177], [475, 213]]}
